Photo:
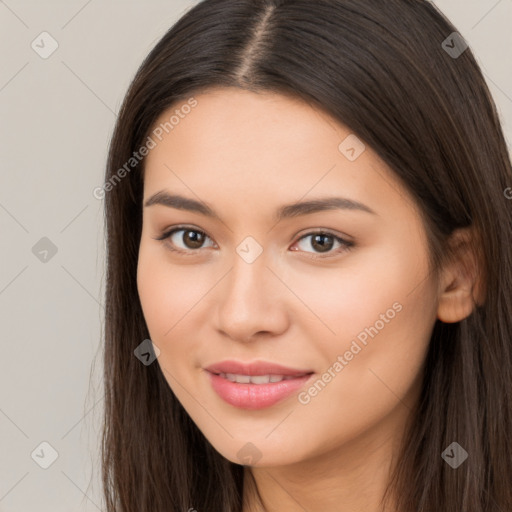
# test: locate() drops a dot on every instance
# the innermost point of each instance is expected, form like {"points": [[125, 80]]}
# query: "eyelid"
{"points": [[326, 231], [164, 237], [346, 243], [168, 232]]}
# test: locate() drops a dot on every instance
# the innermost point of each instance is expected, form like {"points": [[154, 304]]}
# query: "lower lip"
{"points": [[255, 396]]}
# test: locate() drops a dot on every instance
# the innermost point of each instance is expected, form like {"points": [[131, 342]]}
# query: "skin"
{"points": [[245, 155]]}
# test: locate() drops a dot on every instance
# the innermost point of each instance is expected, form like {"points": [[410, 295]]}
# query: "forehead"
{"points": [[238, 121], [264, 148]]}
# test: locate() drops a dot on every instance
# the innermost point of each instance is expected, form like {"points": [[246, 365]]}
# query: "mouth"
{"points": [[257, 379], [255, 385]]}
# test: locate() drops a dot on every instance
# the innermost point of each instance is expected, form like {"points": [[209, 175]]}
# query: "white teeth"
{"points": [[260, 379], [242, 379], [255, 379]]}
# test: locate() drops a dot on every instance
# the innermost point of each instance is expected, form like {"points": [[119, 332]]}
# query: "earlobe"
{"points": [[461, 286]]}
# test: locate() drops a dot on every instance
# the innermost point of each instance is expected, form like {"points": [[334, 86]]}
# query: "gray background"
{"points": [[57, 117]]}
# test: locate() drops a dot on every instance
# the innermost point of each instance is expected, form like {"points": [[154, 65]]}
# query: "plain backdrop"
{"points": [[57, 115]]}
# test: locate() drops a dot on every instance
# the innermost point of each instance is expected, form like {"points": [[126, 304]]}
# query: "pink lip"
{"points": [[255, 396]]}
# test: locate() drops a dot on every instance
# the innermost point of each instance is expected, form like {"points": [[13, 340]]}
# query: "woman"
{"points": [[309, 279]]}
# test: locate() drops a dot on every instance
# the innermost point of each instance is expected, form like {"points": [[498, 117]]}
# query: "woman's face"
{"points": [[338, 294]]}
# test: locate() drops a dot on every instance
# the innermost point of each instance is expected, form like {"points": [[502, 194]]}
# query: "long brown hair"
{"points": [[397, 76]]}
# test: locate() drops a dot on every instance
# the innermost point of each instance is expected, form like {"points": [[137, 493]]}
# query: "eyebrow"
{"points": [[284, 212]]}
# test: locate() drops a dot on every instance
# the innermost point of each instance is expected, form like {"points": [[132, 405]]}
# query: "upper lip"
{"points": [[255, 368]]}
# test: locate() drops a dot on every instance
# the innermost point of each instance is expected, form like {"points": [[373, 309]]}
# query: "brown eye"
{"points": [[323, 243], [185, 239], [192, 239]]}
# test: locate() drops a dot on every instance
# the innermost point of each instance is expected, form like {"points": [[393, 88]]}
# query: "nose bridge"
{"points": [[248, 301], [249, 266], [248, 280]]}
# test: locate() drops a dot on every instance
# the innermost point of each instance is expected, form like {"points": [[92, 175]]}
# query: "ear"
{"points": [[461, 285]]}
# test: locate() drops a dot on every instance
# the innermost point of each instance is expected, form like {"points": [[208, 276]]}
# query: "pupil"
{"points": [[193, 239], [317, 239]]}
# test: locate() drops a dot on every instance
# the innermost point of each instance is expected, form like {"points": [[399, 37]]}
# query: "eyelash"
{"points": [[346, 245]]}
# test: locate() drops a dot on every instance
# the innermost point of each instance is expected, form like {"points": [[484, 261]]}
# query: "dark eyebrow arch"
{"points": [[284, 212]]}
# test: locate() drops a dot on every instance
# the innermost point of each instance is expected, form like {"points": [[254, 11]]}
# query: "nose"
{"points": [[251, 301]]}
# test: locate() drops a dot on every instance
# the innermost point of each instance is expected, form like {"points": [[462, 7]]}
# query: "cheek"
{"points": [[380, 313], [383, 314], [171, 297], [162, 301], [374, 282], [167, 291]]}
